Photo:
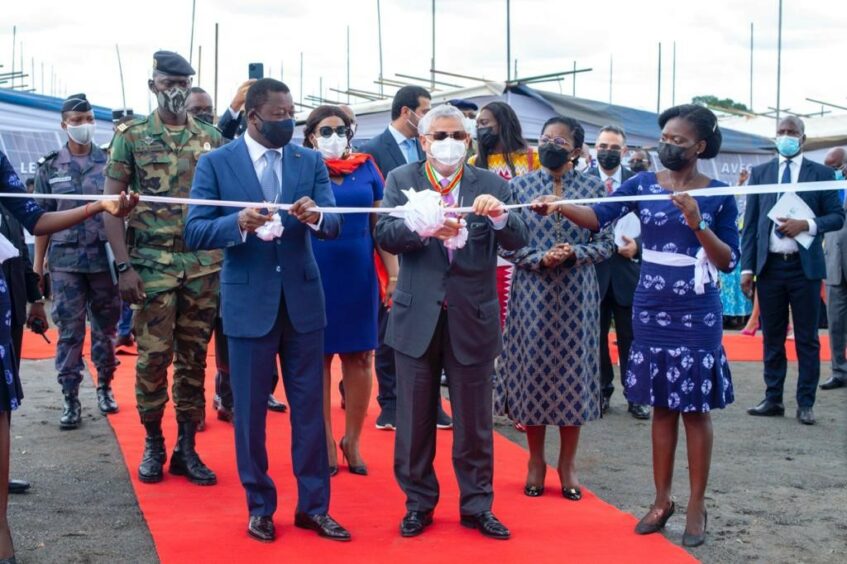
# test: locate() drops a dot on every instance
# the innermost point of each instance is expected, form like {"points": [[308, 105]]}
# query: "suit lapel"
{"points": [[244, 170], [393, 149], [291, 169]]}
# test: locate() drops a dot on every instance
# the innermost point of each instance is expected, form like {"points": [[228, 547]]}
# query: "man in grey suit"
{"points": [[835, 250], [446, 315]]}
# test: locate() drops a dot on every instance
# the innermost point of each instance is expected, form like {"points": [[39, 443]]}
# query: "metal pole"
{"points": [[611, 71], [200, 65], [508, 41], [14, 44], [574, 80], [751, 66], [301, 78], [216, 62], [379, 26], [432, 60], [673, 77], [348, 63], [191, 44], [121, 73], [659, 89], [516, 75], [779, 64]]}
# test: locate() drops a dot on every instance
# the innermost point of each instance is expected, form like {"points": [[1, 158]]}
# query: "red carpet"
{"points": [[208, 524]]}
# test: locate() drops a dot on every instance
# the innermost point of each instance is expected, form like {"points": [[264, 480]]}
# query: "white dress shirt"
{"points": [[630, 224], [787, 245]]}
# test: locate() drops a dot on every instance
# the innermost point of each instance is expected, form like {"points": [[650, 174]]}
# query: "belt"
{"points": [[785, 256]]}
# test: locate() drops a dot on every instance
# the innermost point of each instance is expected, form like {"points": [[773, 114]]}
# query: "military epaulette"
{"points": [[207, 124], [126, 125], [49, 156]]}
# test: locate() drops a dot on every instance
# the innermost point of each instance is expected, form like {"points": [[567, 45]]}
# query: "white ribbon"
{"points": [[270, 230], [424, 214], [704, 271]]}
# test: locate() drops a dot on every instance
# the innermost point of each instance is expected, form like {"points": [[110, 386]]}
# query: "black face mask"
{"points": [[486, 137], [203, 116], [673, 156], [609, 159], [637, 166], [552, 156], [278, 133]]}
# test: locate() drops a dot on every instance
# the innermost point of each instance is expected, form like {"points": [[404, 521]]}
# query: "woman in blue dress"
{"points": [[349, 277], [677, 362], [38, 222]]}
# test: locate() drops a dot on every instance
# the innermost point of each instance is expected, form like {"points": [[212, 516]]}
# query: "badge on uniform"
{"points": [[207, 146], [58, 179]]}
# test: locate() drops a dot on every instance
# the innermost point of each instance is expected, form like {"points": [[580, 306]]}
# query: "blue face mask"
{"points": [[839, 174], [787, 146]]}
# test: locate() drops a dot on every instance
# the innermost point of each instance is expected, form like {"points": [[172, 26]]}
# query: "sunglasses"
{"points": [[442, 135], [327, 131]]}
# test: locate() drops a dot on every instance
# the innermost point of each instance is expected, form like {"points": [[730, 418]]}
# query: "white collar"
{"points": [[796, 159], [616, 176], [399, 138], [256, 149]]}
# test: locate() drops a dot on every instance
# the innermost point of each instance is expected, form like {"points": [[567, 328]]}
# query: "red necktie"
{"points": [[610, 185]]}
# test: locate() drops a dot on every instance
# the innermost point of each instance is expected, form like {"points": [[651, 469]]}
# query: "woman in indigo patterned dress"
{"points": [[37, 222], [548, 373], [677, 362]]}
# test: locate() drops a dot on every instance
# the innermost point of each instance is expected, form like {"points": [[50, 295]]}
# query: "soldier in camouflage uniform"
{"points": [[177, 290], [82, 283]]}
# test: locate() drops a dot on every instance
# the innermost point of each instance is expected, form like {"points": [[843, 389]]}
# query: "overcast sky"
{"points": [[77, 39]]}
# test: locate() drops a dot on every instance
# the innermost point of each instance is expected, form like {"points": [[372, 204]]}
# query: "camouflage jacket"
{"points": [[80, 248], [159, 161]]}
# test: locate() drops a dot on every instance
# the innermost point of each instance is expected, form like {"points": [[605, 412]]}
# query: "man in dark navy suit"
{"points": [[272, 301], [397, 146], [788, 274]]}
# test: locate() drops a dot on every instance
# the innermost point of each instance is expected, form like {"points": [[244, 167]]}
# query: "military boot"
{"points": [[186, 462], [71, 410], [105, 398], [154, 457]]}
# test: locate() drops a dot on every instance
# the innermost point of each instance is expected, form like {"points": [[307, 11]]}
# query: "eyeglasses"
{"points": [[442, 135], [560, 141], [327, 131]]}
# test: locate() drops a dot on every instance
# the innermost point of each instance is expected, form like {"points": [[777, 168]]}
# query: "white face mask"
{"points": [[470, 126], [448, 152], [81, 134], [332, 147]]}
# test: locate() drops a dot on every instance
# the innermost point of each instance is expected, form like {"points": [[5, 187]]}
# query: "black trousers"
{"points": [[609, 309], [780, 284], [384, 365]]}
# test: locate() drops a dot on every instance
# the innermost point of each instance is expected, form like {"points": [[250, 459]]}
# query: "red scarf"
{"points": [[343, 167]]}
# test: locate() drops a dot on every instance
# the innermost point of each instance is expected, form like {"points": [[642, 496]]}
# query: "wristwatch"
{"points": [[702, 226], [123, 267]]}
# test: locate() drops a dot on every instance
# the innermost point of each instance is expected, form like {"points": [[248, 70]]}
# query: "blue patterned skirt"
{"points": [[677, 360], [11, 392]]}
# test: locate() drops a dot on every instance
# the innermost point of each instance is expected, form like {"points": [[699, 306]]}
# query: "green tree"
{"points": [[715, 102]]}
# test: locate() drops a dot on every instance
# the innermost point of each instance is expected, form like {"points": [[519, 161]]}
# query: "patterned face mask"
{"points": [[172, 99]]}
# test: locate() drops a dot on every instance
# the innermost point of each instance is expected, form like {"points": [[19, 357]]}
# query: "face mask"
{"points": [[609, 159], [673, 156], [470, 126], [81, 134], [839, 174], [552, 156], [278, 133], [448, 152], [787, 146], [172, 99], [637, 166], [487, 137], [332, 147], [208, 118], [413, 124]]}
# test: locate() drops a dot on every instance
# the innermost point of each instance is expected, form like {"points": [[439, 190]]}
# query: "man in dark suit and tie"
{"points": [[787, 273], [397, 146], [618, 276], [446, 315], [272, 301]]}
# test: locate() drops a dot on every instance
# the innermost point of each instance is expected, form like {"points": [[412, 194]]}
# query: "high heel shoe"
{"points": [[333, 470], [361, 470], [751, 332], [573, 494], [533, 491], [691, 540], [645, 527]]}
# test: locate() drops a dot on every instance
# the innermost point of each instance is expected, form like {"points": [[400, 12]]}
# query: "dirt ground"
{"points": [[778, 491]]}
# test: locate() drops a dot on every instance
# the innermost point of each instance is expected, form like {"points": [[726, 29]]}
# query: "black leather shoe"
{"points": [[105, 398], [655, 520], [186, 462], [767, 408], [487, 524], [833, 384], [322, 524], [18, 486], [638, 411], [71, 412], [414, 523], [806, 415], [261, 528], [276, 405], [605, 403], [387, 420], [443, 421], [690, 540], [573, 494], [154, 456], [533, 491], [224, 413]]}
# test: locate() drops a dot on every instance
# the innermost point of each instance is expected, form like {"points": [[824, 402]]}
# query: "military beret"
{"points": [[462, 104], [76, 103], [171, 63], [118, 114]]}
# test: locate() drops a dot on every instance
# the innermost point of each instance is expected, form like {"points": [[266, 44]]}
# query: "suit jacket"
{"points": [[257, 273], [835, 250], [428, 279], [231, 127], [619, 273], [18, 272], [387, 154], [755, 239]]}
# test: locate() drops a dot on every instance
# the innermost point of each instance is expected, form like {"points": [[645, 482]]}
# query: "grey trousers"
{"points": [[836, 311]]}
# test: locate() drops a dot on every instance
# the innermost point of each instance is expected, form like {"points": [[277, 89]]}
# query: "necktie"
{"points": [[411, 152], [786, 179], [270, 181], [448, 200], [610, 185]]}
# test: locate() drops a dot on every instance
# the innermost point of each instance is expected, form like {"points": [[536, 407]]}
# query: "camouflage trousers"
{"points": [[174, 325], [78, 295]]}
